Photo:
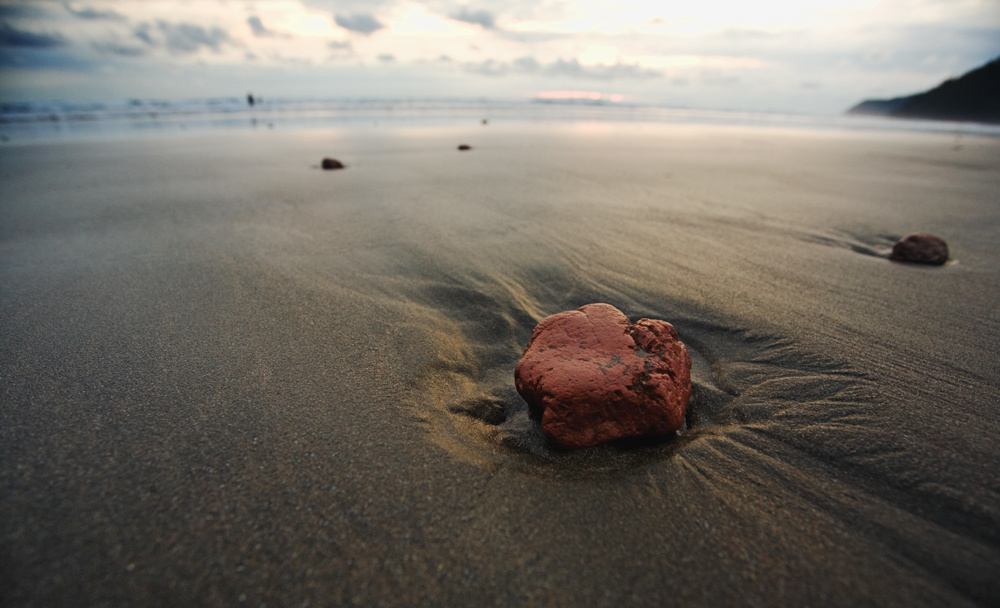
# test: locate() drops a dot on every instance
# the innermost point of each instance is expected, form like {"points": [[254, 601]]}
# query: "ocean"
{"points": [[58, 119]]}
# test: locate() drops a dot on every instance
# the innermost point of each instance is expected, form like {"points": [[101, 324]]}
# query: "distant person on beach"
{"points": [[250, 99]]}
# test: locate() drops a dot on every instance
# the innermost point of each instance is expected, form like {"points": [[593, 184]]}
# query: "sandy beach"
{"points": [[228, 377]]}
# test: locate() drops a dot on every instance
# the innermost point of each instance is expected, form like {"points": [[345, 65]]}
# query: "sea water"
{"points": [[58, 119]]}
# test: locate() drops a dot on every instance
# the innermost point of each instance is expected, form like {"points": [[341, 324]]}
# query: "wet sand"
{"points": [[229, 377]]}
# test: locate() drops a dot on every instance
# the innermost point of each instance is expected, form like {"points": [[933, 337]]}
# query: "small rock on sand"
{"points": [[920, 249], [464, 147], [596, 377], [332, 163]]}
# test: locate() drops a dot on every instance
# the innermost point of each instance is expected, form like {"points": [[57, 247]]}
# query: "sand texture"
{"points": [[228, 377]]}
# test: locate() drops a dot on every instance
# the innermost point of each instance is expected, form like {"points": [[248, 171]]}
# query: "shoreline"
{"points": [[54, 121]]}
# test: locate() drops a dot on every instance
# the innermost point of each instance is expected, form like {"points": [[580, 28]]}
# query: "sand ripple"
{"points": [[741, 379]]}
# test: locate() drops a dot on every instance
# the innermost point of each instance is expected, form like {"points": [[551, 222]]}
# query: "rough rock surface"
{"points": [[332, 163], [921, 249], [596, 377]]}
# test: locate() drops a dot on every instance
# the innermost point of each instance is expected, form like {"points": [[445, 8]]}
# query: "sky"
{"points": [[804, 56]]}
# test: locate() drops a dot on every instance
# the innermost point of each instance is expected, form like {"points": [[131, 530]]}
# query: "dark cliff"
{"points": [[974, 97]]}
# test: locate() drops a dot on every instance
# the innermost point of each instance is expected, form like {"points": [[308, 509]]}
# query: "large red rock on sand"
{"points": [[597, 377], [921, 249]]}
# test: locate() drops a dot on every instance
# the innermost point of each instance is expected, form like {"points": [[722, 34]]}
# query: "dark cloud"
{"points": [[27, 58], [13, 37], [21, 11], [481, 18], [118, 49], [260, 31], [180, 38], [363, 23], [90, 13], [387, 58], [186, 38], [257, 26], [143, 32]]}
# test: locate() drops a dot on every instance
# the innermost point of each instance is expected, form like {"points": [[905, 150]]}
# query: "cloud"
{"points": [[21, 10], [63, 58], [481, 18], [363, 23], [339, 45], [574, 68], [179, 38], [118, 49], [260, 31], [527, 64], [533, 37], [90, 13], [387, 58], [186, 38], [490, 67], [561, 67], [143, 32], [350, 6], [13, 37]]}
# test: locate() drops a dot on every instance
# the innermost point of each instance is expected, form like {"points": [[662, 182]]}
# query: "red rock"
{"points": [[921, 249], [597, 377], [332, 163]]}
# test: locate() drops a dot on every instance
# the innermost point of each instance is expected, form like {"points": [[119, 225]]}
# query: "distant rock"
{"points": [[920, 249], [332, 163], [595, 377], [975, 97], [464, 147]]}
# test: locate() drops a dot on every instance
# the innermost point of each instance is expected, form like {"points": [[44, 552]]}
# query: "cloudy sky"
{"points": [[808, 56]]}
